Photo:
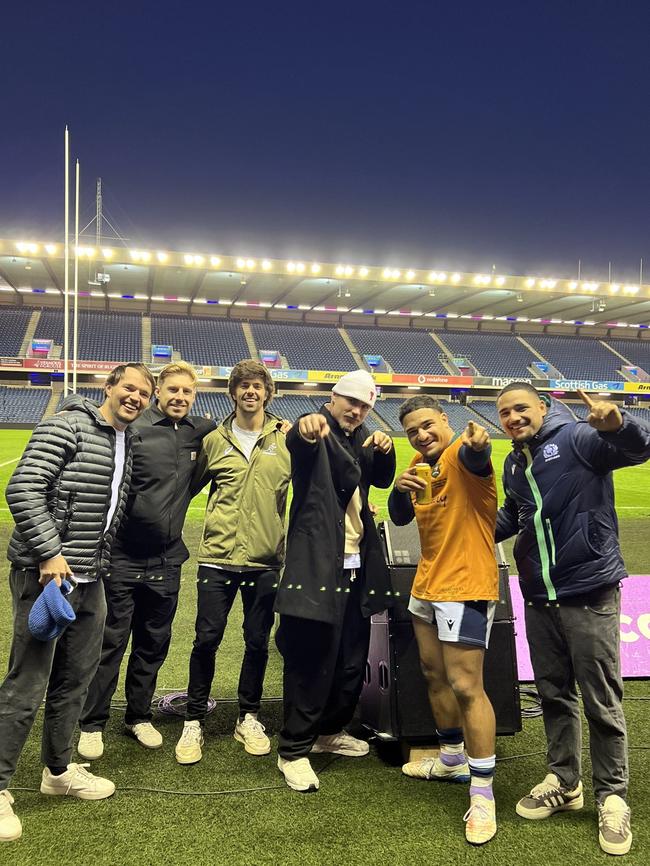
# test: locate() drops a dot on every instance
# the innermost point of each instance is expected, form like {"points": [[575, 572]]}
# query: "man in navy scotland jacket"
{"points": [[560, 502]]}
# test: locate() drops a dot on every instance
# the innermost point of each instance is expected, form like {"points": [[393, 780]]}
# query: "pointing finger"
{"points": [[586, 399]]}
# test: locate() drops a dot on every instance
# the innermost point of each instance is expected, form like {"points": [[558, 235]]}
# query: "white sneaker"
{"points": [[77, 782], [614, 830], [188, 748], [146, 735], [250, 732], [434, 769], [10, 826], [298, 774], [341, 744], [90, 745]]}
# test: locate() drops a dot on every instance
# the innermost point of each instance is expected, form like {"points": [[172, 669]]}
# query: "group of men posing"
{"points": [[99, 498]]}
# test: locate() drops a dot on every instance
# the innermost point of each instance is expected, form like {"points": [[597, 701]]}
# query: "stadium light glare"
{"points": [[572, 284], [250, 264], [241, 264], [363, 272], [452, 315], [50, 249], [215, 261], [225, 301], [162, 257], [409, 274], [291, 267], [455, 278], [96, 294], [266, 265], [188, 258], [300, 267], [304, 307], [338, 270], [348, 271], [52, 292], [107, 253], [614, 287], [315, 268], [632, 290], [499, 281], [529, 283], [199, 260]]}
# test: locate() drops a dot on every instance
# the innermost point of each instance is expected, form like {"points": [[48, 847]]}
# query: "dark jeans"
{"points": [[143, 610], [323, 672], [216, 592], [63, 667], [580, 643]]}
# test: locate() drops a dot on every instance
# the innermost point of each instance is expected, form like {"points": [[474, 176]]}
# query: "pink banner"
{"points": [[57, 364], [635, 627]]}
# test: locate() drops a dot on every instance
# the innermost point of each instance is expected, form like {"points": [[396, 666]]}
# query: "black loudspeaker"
{"points": [[394, 703]]}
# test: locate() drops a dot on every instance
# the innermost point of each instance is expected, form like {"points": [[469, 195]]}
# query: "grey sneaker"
{"points": [[90, 745], [549, 797], [614, 830]]}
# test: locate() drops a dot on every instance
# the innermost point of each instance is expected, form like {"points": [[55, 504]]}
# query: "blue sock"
{"points": [[452, 747], [482, 775]]}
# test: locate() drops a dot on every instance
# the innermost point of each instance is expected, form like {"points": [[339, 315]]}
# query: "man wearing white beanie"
{"points": [[335, 576]]}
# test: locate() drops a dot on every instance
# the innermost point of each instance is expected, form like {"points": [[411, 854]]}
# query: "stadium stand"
{"points": [[637, 352], [23, 405], [306, 347], [577, 357], [292, 406], [216, 342], [215, 403], [491, 354], [405, 350], [94, 394], [487, 409], [13, 324], [102, 336]]}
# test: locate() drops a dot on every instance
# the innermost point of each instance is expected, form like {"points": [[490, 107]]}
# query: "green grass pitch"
{"points": [[235, 809]]}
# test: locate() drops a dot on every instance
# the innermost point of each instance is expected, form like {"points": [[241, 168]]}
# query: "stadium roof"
{"points": [[117, 275]]}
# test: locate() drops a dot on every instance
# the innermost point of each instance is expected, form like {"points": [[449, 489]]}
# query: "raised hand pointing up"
{"points": [[604, 415]]}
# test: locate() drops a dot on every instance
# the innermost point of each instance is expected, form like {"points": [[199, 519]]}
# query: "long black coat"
{"points": [[325, 476]]}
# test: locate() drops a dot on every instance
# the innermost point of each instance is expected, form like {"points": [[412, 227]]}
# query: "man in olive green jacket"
{"points": [[242, 548]]}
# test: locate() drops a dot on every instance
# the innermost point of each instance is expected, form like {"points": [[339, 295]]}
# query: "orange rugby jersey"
{"points": [[457, 561]]}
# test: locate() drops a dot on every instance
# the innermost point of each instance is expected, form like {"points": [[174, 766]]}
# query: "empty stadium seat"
{"points": [[492, 354], [577, 357], [13, 324], [406, 351], [306, 347], [209, 341], [23, 405]]}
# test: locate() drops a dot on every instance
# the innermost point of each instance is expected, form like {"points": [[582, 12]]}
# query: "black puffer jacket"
{"points": [[60, 492]]}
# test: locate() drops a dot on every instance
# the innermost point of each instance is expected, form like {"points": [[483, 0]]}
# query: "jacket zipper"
{"points": [[539, 528]]}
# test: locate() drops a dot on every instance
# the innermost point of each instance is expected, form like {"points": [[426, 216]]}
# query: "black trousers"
{"points": [[142, 609], [323, 672], [216, 593]]}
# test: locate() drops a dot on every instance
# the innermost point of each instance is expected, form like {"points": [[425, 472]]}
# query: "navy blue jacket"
{"points": [[560, 500]]}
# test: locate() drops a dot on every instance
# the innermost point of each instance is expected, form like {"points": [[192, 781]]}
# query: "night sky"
{"points": [[430, 134]]}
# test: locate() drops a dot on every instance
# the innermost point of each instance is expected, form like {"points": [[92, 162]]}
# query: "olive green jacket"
{"points": [[244, 518]]}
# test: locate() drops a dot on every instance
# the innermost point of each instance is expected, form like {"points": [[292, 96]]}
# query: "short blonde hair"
{"points": [[178, 368]]}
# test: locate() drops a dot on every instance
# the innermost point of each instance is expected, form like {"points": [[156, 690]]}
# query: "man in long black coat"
{"points": [[335, 575]]}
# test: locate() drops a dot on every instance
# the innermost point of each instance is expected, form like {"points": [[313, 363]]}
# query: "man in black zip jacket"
{"points": [[67, 497], [142, 588], [560, 502]]}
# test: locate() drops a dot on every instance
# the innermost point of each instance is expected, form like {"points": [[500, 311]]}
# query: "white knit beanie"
{"points": [[358, 384]]}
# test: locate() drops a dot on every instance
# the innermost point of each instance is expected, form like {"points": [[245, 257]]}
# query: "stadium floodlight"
{"points": [[338, 270], [499, 281], [315, 268], [304, 307], [632, 290], [291, 267], [161, 256], [455, 278], [107, 253], [452, 315], [530, 282], [363, 272], [199, 260], [50, 249], [250, 264], [409, 274], [241, 264], [266, 265], [614, 287], [189, 259], [572, 284]]}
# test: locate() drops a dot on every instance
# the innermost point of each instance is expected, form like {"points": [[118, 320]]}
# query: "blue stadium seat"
{"points": [[306, 347], [209, 341], [13, 324], [406, 351]]}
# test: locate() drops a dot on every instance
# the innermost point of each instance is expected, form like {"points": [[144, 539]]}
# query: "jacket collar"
{"points": [[159, 417]]}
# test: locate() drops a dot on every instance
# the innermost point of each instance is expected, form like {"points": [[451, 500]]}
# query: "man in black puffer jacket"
{"points": [[560, 502], [67, 496], [142, 588]]}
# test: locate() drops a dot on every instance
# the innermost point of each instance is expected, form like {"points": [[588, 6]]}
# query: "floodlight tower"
{"points": [[99, 215]]}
